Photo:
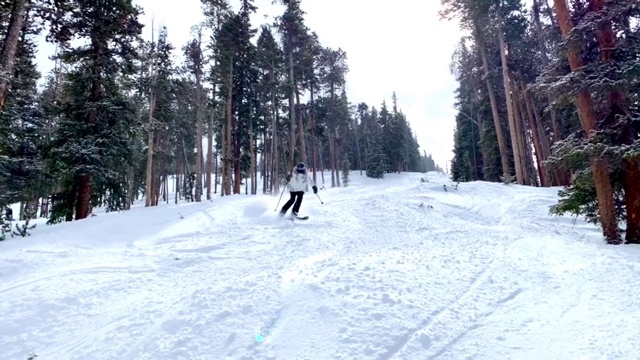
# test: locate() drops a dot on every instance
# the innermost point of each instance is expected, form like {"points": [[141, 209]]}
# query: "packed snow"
{"points": [[395, 268]]}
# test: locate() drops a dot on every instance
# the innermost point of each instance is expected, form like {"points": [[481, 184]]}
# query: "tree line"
{"points": [[548, 96], [118, 117]]}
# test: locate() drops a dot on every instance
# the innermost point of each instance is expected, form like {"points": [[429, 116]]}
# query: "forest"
{"points": [[118, 117], [548, 96]]}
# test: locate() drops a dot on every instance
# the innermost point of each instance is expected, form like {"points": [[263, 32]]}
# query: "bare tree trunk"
{"points": [[520, 130], [535, 134], [252, 158], [314, 143], [237, 171], [228, 157], [215, 179], [321, 161], [482, 48], [151, 130], [588, 119], [223, 158], [515, 146], [292, 115], [336, 157], [303, 144], [199, 126], [332, 159], [275, 139], [264, 172], [209, 169], [10, 47]]}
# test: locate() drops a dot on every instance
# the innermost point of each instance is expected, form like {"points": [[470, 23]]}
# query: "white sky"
{"points": [[399, 46]]}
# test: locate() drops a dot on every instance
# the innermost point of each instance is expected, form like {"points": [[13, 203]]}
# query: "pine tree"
{"points": [[22, 142], [91, 145]]}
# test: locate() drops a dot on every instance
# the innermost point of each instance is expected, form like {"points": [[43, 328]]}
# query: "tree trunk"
{"points": [[336, 157], [332, 159], [521, 138], [265, 171], [292, 115], [482, 48], [199, 126], [150, 144], [227, 156], [588, 120], [252, 158], [10, 47], [209, 169], [275, 163], [515, 144], [303, 145], [618, 106], [223, 157], [215, 167], [321, 162], [314, 143], [237, 171], [560, 175], [535, 134]]}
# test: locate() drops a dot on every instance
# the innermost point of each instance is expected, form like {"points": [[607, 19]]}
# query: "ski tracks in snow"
{"points": [[374, 274]]}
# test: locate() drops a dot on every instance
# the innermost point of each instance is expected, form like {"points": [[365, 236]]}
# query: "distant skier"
{"points": [[8, 213], [298, 185]]}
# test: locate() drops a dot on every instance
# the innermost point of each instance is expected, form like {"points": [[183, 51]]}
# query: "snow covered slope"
{"points": [[385, 269]]}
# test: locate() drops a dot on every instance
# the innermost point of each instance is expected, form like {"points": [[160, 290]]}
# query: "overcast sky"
{"points": [[398, 45]]}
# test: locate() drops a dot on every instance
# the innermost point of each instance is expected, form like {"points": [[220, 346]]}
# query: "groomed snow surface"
{"points": [[385, 269]]}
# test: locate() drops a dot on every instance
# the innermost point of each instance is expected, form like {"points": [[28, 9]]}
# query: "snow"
{"points": [[384, 269]]}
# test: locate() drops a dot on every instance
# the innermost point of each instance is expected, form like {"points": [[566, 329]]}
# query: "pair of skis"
{"points": [[294, 218]]}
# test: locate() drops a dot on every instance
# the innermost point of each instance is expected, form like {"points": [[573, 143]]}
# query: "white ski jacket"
{"points": [[300, 182]]}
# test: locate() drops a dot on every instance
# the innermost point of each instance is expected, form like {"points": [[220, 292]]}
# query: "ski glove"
{"points": [[288, 178], [315, 189]]}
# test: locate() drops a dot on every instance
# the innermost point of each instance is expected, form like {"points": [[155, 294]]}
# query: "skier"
{"points": [[8, 213], [298, 185]]}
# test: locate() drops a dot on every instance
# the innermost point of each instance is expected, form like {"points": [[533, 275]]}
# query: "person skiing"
{"points": [[298, 185]]}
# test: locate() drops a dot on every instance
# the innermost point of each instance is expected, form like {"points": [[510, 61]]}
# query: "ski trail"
{"points": [[454, 320]]}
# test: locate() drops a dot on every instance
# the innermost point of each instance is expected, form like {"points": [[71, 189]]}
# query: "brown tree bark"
{"points": [[148, 201], [252, 158], [521, 137], [199, 128], [336, 157], [10, 47], [588, 120], [540, 152], [618, 104], [502, 146], [535, 135], [516, 145], [227, 155], [314, 143], [209, 168], [275, 139], [303, 145], [292, 116]]}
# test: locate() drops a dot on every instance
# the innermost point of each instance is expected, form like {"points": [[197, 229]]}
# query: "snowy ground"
{"points": [[385, 269]]}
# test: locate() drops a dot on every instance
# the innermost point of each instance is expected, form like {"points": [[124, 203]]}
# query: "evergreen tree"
{"points": [[91, 145]]}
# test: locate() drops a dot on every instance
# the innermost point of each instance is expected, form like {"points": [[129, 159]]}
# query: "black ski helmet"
{"points": [[300, 168]]}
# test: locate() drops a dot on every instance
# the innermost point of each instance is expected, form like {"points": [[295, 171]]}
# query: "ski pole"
{"points": [[282, 193], [321, 202]]}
